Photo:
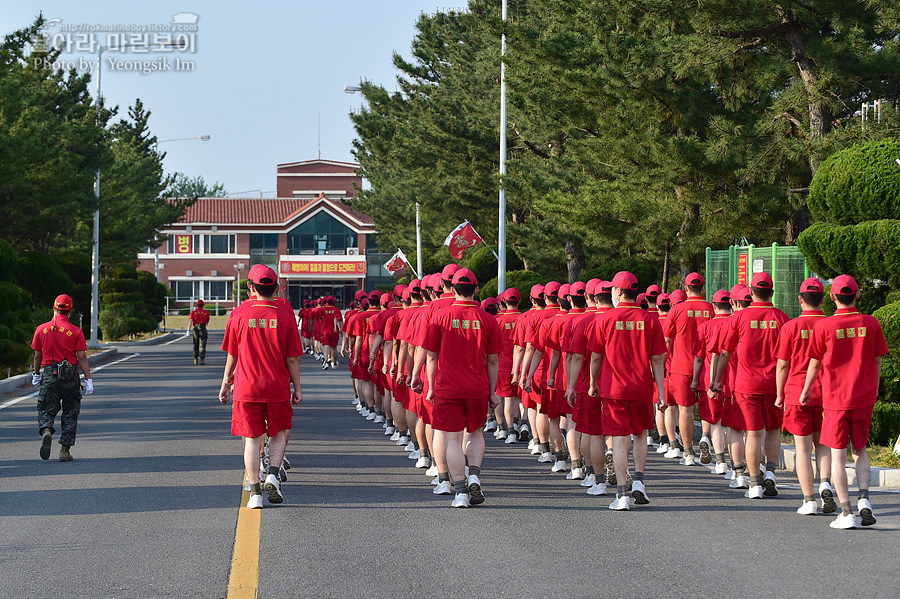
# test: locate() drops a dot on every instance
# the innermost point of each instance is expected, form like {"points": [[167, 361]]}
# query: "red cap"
{"points": [[737, 291], [552, 288], [761, 280], [537, 291], [564, 290], [812, 284], [374, 296], [677, 296], [844, 285], [398, 289], [512, 295], [663, 300], [253, 270], [364, 303], [385, 298], [590, 287], [199, 302], [360, 295], [693, 279], [641, 297], [625, 280], [721, 296], [415, 286], [578, 288], [405, 294], [745, 295], [263, 275], [62, 302], [603, 287], [464, 275], [653, 291], [436, 283], [449, 271], [491, 301]]}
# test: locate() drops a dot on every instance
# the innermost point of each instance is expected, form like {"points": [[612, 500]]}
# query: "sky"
{"points": [[254, 76]]}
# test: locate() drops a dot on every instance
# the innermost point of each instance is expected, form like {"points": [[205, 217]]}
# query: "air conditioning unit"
{"points": [[353, 251]]}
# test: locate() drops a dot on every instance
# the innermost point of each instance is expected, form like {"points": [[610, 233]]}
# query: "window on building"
{"points": [[321, 234], [218, 290], [220, 244], [186, 290], [264, 249]]}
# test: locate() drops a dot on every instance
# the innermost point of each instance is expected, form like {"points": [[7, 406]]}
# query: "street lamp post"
{"points": [[501, 237], [237, 286]]}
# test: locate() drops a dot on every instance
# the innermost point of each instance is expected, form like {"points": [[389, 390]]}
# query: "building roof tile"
{"points": [[259, 210]]}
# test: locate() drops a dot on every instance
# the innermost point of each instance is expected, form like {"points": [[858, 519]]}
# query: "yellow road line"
{"points": [[244, 580]]}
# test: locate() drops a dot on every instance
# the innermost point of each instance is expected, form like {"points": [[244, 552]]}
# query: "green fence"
{"points": [[737, 264]]}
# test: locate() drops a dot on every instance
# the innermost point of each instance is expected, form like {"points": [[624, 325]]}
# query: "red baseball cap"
{"points": [[464, 275], [62, 302], [263, 275], [653, 291], [437, 283], [449, 271], [551, 288], [360, 295], [537, 291], [415, 286], [374, 296], [693, 279], [677, 296], [491, 301], [364, 303], [736, 291], [603, 287], [590, 287], [641, 297], [844, 285], [578, 288], [761, 280], [199, 302], [625, 280], [564, 290], [253, 270], [405, 294], [512, 295], [385, 298], [745, 295], [720, 296], [398, 289], [663, 300], [812, 284]]}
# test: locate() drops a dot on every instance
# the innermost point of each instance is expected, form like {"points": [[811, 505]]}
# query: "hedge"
{"points": [[483, 263], [646, 273], [885, 424], [869, 250], [522, 280]]}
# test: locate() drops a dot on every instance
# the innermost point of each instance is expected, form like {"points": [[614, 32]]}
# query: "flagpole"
{"points": [[486, 245], [418, 242], [501, 238]]}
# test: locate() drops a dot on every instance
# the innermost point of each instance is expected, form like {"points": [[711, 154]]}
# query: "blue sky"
{"points": [[262, 73]]}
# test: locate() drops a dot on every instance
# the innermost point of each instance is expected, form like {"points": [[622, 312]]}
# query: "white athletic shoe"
{"points": [[536, 450], [443, 488], [355, 401], [597, 489], [740, 482], [530, 444], [706, 449], [688, 460], [389, 431], [589, 481], [673, 452], [843, 522], [769, 488], [473, 486], [826, 493], [371, 416], [423, 462], [575, 474], [663, 448], [395, 436], [510, 439], [490, 426], [546, 458], [559, 466], [411, 447], [866, 517], [502, 434], [638, 493], [255, 502], [273, 488], [415, 454], [432, 471], [721, 468], [436, 480], [379, 419], [461, 500], [808, 508], [620, 504], [402, 441], [650, 442], [755, 492], [730, 474]]}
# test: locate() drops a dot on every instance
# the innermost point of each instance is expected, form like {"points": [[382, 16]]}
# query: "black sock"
{"points": [[390, 422], [638, 476], [255, 490], [273, 470], [863, 493], [754, 480], [770, 466], [826, 481], [545, 447], [560, 456], [845, 508], [663, 439], [720, 458], [415, 444], [476, 470], [442, 476], [579, 463], [809, 498], [620, 491], [589, 470], [460, 486], [515, 422]]}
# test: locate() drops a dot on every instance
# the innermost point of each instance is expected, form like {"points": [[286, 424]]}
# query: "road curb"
{"points": [[153, 341], [15, 383]]}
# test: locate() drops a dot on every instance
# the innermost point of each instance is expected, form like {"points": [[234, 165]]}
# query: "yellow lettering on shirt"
{"points": [[629, 325], [691, 314], [804, 333], [754, 324], [851, 333], [68, 333], [465, 324], [454, 323], [706, 314], [508, 326], [839, 333], [763, 324], [46, 330], [476, 324], [773, 324], [861, 332], [640, 325], [263, 323], [620, 326], [251, 323], [273, 323]]}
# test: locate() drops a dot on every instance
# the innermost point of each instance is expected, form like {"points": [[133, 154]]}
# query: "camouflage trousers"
{"points": [[56, 395], [200, 342]]}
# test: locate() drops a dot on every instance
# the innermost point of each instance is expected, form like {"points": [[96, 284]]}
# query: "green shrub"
{"points": [[42, 277], [184, 311], [483, 263], [889, 387], [114, 320], [646, 273], [522, 280], [885, 424], [8, 261], [77, 265], [889, 317]]}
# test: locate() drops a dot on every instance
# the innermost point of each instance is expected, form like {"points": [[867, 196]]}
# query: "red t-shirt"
{"points": [[627, 336], [522, 326], [329, 315], [752, 334], [554, 340], [420, 324], [683, 322], [508, 321], [708, 335], [463, 335], [793, 347], [199, 316], [262, 336], [578, 345], [847, 345], [715, 347], [58, 340]]}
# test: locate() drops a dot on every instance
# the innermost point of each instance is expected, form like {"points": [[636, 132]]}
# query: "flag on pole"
{"points": [[396, 262], [460, 238]]}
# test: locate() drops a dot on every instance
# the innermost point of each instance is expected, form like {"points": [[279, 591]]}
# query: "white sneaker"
{"points": [[638, 493], [546, 458], [740, 482], [559, 466], [530, 444], [688, 460], [589, 481], [755, 492], [273, 488], [502, 434], [390, 431], [770, 490], [866, 517], [415, 454], [371, 416], [826, 493], [461, 500], [808, 508], [536, 450], [663, 448], [443, 488], [423, 462], [576, 474], [510, 439], [432, 471], [673, 452], [650, 442], [721, 468], [730, 474], [255, 502], [379, 419], [490, 426], [410, 446], [473, 485], [705, 450], [403, 441], [395, 436], [620, 504], [597, 489], [355, 401], [843, 522]]}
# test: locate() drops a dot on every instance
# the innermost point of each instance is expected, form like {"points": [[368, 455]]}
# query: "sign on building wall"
{"points": [[742, 268], [184, 244], [355, 268]]}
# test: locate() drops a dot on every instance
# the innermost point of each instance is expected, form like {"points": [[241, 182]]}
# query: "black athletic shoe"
{"points": [[866, 517], [45, 444], [476, 495], [829, 506]]}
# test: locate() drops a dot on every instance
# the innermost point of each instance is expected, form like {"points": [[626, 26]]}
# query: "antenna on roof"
{"points": [[319, 143]]}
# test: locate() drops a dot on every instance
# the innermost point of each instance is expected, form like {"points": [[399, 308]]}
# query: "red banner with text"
{"points": [[309, 267]]}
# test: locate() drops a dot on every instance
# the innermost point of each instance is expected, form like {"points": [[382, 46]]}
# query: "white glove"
{"points": [[89, 386], [36, 380]]}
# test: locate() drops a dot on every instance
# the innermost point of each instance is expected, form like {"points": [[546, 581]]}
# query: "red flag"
{"points": [[397, 262], [460, 238]]}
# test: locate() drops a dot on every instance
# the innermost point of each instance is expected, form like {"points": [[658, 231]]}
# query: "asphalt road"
{"points": [[150, 505]]}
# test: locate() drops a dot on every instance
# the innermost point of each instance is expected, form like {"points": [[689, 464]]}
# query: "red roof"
{"points": [[318, 161], [261, 211]]}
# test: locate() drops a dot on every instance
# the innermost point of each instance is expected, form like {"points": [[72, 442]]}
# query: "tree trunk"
{"points": [[665, 275], [574, 261]]}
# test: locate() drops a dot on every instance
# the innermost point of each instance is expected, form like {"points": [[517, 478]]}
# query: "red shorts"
{"points": [[401, 395], [330, 339], [680, 388], [528, 400], [424, 408], [504, 387], [590, 421], [558, 405], [839, 425], [362, 371], [733, 417], [667, 389], [578, 410], [711, 410], [802, 421], [622, 417], [253, 418], [759, 411], [454, 415]]}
